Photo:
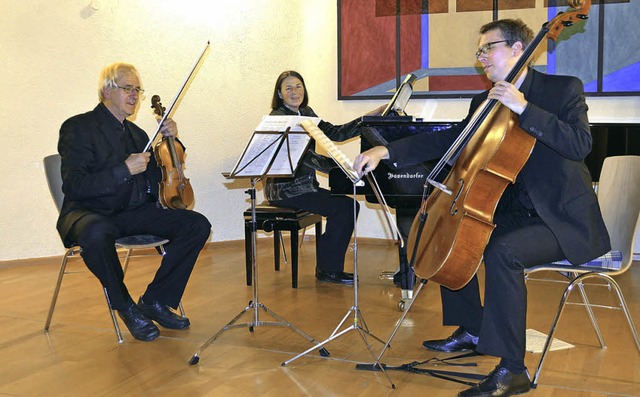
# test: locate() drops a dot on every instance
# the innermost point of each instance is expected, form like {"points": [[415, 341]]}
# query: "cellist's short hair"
{"points": [[110, 75], [512, 30]]}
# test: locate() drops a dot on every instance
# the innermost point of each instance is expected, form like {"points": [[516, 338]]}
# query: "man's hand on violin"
{"points": [[509, 96], [169, 128], [137, 162], [368, 161]]}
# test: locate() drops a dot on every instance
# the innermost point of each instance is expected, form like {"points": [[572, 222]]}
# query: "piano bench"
{"points": [[270, 218]]}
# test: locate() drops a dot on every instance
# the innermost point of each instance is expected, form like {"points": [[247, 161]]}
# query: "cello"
{"points": [[175, 191], [450, 232]]}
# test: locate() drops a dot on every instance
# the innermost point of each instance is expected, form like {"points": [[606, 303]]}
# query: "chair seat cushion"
{"points": [[141, 241], [612, 260]]}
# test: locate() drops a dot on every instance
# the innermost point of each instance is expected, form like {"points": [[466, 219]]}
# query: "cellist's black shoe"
{"points": [[138, 324], [334, 277], [163, 315], [459, 341], [500, 383]]}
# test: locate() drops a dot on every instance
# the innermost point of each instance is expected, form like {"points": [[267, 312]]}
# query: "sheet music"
{"points": [[286, 159], [281, 123], [336, 154], [276, 147], [346, 165]]}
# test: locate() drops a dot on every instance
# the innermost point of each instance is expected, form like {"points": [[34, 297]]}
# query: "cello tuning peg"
{"points": [[583, 16], [567, 23]]}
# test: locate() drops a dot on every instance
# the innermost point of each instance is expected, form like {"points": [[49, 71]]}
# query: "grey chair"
{"points": [[128, 243], [619, 199]]}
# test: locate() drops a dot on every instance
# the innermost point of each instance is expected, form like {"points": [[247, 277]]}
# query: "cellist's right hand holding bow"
{"points": [[368, 161]]}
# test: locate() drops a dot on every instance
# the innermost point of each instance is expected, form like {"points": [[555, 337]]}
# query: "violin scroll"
{"points": [[156, 105]]}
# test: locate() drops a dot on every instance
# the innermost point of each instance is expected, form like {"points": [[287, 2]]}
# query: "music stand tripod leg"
{"points": [[255, 304], [358, 319]]}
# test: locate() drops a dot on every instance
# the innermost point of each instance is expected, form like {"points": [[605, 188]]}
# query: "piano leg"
{"points": [[405, 276]]}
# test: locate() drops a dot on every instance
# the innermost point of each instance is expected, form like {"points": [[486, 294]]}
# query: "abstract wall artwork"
{"points": [[380, 41]]}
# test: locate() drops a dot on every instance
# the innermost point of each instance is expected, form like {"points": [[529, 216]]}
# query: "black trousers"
{"points": [[517, 242], [187, 232], [338, 210]]}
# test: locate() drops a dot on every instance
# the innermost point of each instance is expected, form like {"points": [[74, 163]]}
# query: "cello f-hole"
{"points": [[452, 209]]}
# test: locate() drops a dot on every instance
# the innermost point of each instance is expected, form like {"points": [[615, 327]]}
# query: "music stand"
{"points": [[270, 152], [359, 325]]}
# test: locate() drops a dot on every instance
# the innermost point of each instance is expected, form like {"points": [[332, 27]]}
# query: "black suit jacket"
{"points": [[555, 176], [95, 178]]}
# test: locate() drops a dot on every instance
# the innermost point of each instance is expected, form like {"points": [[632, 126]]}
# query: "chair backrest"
{"points": [[54, 178], [619, 198]]}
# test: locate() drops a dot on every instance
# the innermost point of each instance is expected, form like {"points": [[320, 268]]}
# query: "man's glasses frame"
{"points": [[129, 89], [486, 49]]}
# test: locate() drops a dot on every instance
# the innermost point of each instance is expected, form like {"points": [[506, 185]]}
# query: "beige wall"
{"points": [[52, 51]]}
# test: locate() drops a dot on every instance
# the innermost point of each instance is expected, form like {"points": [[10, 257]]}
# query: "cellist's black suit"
{"points": [[550, 213], [103, 202]]}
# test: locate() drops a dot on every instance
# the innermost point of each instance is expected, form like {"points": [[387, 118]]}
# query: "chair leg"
{"points": [[625, 309], [552, 331], [248, 252], [318, 235], [113, 316], [294, 259], [126, 261], [277, 237], [284, 249], [578, 282], [592, 317], [54, 299]]}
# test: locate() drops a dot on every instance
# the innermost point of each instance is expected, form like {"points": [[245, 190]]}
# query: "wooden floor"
{"points": [[80, 357]]}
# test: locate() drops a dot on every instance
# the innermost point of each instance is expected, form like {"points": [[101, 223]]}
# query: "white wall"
{"points": [[52, 52]]}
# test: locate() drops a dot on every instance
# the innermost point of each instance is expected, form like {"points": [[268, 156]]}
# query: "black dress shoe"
{"points": [[459, 341], [140, 326], [334, 277], [500, 383], [163, 315]]}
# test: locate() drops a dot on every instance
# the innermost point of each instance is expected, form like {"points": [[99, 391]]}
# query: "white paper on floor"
{"points": [[536, 341]]}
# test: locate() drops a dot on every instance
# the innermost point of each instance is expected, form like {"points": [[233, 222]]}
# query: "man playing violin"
{"points": [[110, 186], [550, 213]]}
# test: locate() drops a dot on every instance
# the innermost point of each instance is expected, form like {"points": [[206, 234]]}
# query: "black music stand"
{"points": [[271, 153], [358, 323]]}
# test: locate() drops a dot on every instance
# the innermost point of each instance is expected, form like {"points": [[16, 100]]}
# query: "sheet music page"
{"points": [[344, 162], [281, 123], [290, 154], [253, 162], [267, 139]]}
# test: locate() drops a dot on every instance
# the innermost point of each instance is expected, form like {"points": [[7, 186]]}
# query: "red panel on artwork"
{"points": [[459, 83], [368, 56]]}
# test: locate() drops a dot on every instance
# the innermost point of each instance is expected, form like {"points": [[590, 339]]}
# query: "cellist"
{"points": [[550, 213], [110, 184]]}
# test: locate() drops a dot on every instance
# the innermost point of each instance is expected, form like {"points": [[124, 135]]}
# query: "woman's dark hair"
{"points": [[276, 101]]}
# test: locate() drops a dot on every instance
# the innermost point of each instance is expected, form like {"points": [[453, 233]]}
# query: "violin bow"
{"points": [[169, 110]]}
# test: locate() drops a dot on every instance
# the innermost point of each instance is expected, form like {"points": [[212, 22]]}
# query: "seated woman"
{"points": [[302, 191]]}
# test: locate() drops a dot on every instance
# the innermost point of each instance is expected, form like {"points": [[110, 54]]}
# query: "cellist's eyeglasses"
{"points": [[485, 49], [129, 89]]}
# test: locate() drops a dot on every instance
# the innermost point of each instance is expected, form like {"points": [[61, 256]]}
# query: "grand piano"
{"points": [[403, 187]]}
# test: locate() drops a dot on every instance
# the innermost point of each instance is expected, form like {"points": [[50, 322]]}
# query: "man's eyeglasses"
{"points": [[129, 89], [485, 49]]}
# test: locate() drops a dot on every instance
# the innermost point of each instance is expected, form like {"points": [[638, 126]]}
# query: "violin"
{"points": [[175, 191], [449, 234]]}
